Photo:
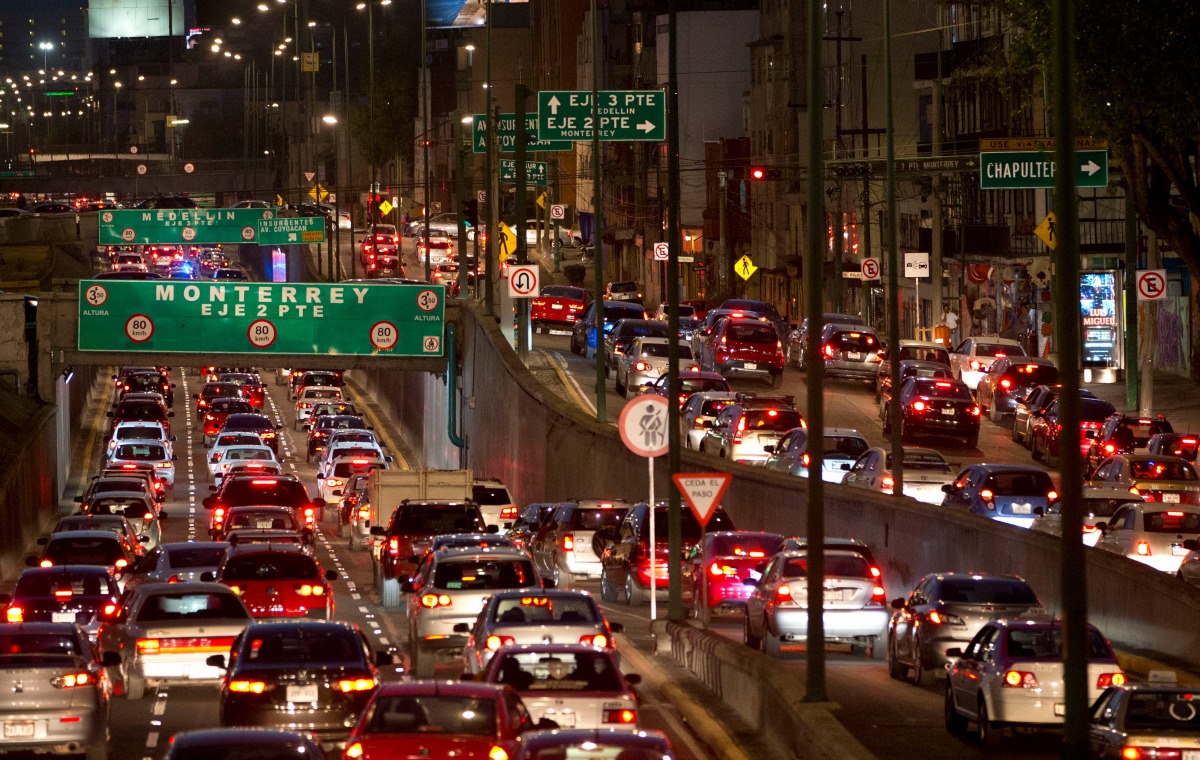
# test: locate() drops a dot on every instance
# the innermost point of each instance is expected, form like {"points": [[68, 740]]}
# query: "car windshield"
{"points": [[771, 419], [560, 671], [983, 590], [1156, 469], [595, 518], [854, 341], [760, 334], [437, 519], [194, 556], [63, 586], [922, 460], [845, 446], [998, 349], [182, 605], [270, 566], [689, 526], [328, 646], [837, 565], [427, 714], [1032, 374], [490, 495], [1037, 643], [748, 545], [1171, 521], [19, 649], [545, 609], [1020, 483], [483, 573], [144, 452], [1162, 711]]}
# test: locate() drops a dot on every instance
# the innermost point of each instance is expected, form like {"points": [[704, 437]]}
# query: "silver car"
{"points": [[843, 446], [777, 610], [135, 508], [850, 352], [645, 361], [749, 430], [925, 472], [165, 632], [55, 698], [946, 610], [451, 589], [566, 551], [179, 562], [549, 617], [698, 414]]}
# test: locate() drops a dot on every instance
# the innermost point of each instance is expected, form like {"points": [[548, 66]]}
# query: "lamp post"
{"points": [[45, 47], [332, 121]]}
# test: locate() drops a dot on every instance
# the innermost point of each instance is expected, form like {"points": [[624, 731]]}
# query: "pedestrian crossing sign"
{"points": [[745, 267], [1046, 231]]}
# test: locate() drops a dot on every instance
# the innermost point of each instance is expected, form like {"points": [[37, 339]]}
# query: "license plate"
{"points": [[564, 720], [854, 356], [1191, 754], [62, 617], [297, 694], [1060, 709], [750, 365], [556, 306], [1170, 498], [1178, 550], [263, 524], [835, 596], [18, 728], [1022, 509], [948, 412]]}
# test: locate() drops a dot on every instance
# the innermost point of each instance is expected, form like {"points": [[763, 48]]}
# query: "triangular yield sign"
{"points": [[308, 176], [703, 491]]}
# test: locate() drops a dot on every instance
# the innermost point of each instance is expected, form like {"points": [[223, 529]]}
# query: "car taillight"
{"points": [[828, 351], [988, 498], [72, 680], [568, 542], [109, 611], [1051, 496], [162, 465], [1006, 383], [641, 367], [394, 547], [311, 589], [121, 563], [625, 717], [875, 571], [598, 640], [1020, 679], [497, 753], [148, 646], [14, 614], [332, 482], [975, 364], [1110, 679], [918, 405], [1143, 548], [942, 618], [783, 593], [805, 459], [364, 513], [508, 513], [878, 594], [717, 570], [888, 483], [347, 685], [976, 411], [435, 600], [741, 428], [353, 751], [246, 686], [494, 642], [1109, 448]]}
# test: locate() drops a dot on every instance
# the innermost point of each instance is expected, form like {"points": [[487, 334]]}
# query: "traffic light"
{"points": [[758, 173], [470, 212]]}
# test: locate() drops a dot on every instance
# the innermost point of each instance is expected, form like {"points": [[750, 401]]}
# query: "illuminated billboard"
{"points": [[108, 19], [1101, 319], [513, 14]]}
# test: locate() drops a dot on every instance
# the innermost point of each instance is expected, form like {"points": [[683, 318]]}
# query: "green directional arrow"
{"points": [[624, 115], [535, 172], [1013, 170]]}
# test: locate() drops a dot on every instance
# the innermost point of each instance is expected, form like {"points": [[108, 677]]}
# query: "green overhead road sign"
{"points": [[535, 172], [1010, 170], [261, 318], [624, 115], [197, 226], [506, 135], [291, 230]]}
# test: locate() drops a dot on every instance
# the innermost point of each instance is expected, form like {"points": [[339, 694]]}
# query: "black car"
{"points": [[1183, 445], [85, 595], [243, 744], [319, 429], [316, 674], [757, 307], [1008, 379], [258, 423], [937, 407], [624, 333], [909, 368], [1124, 434], [149, 382]]}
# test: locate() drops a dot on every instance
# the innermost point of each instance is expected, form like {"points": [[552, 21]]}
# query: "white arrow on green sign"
{"points": [[506, 135], [535, 172], [624, 115], [1013, 170], [292, 230]]}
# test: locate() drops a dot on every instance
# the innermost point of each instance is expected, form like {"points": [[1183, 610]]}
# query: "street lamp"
{"points": [[45, 47]]}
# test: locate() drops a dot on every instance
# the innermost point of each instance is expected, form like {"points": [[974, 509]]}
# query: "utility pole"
{"points": [[597, 226], [461, 198], [425, 107], [723, 251], [491, 197], [893, 280], [936, 268], [838, 226], [674, 244], [520, 96], [1132, 360], [349, 152]]}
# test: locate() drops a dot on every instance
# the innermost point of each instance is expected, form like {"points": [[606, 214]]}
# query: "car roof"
{"points": [[844, 432], [649, 739], [68, 570], [550, 593], [1009, 467], [237, 551], [272, 626], [501, 552], [238, 735], [198, 587], [474, 689], [85, 534]]}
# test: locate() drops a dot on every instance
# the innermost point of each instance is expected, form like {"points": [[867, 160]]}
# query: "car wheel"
{"points": [[207, 441], [985, 732], [574, 350], [622, 391], [896, 670], [777, 380], [342, 529], [772, 644], [1052, 461], [135, 686], [389, 592], [700, 610], [887, 420], [634, 596], [607, 592], [918, 672], [701, 449], [354, 542], [955, 723], [557, 576], [308, 458], [1016, 438], [748, 636], [972, 441], [421, 661], [1033, 449]]}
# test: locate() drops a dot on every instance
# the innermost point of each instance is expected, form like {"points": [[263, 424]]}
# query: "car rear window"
{"points": [[1171, 521], [545, 609], [84, 551], [1031, 374], [212, 390], [1180, 446], [346, 469], [275, 491], [20, 649], [746, 545], [1027, 483], [712, 407], [661, 349], [1093, 410], [986, 591], [238, 439], [1047, 644], [249, 422], [490, 495], [483, 573], [623, 287], [434, 520], [311, 393], [321, 378], [771, 419], [689, 526], [934, 388], [139, 410], [145, 452], [1154, 469], [615, 311], [561, 291], [595, 518], [701, 385], [448, 715], [845, 446], [924, 354], [195, 556], [292, 647], [1163, 711], [264, 519], [229, 405], [270, 566], [753, 334], [191, 606], [139, 433], [560, 671], [838, 565], [63, 586], [854, 341], [132, 508], [998, 349]]}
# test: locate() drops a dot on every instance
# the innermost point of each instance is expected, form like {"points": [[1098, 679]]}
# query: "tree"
{"points": [[1137, 67], [382, 126]]}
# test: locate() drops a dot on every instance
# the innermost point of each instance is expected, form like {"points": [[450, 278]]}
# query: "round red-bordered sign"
{"points": [[1151, 285], [384, 335], [95, 295], [188, 234], [262, 333], [139, 328], [643, 426], [427, 300]]}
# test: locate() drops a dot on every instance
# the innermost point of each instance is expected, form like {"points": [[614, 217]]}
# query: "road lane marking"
{"points": [[573, 390]]}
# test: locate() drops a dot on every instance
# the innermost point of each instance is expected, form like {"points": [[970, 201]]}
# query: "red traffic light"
{"points": [[757, 172]]}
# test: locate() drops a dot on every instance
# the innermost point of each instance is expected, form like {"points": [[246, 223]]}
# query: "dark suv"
{"points": [[936, 407], [745, 347], [625, 559], [1008, 379], [617, 342], [1045, 430], [254, 490], [1124, 434], [149, 382], [319, 429], [141, 410], [254, 423], [405, 540]]}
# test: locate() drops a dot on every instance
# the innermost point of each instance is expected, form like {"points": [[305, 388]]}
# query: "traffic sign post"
{"points": [[643, 428], [181, 225], [506, 135], [1017, 170], [870, 269], [623, 115], [1151, 284], [291, 230], [524, 281], [662, 251], [535, 172], [916, 266], [166, 316], [558, 211]]}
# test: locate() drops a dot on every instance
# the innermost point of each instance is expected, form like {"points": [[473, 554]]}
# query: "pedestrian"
{"points": [[950, 320]]}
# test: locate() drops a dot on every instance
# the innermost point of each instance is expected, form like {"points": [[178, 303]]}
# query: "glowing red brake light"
{"points": [[918, 405], [568, 542], [264, 481]]}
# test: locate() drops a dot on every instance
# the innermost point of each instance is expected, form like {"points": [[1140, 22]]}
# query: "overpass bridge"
{"points": [[137, 175]]}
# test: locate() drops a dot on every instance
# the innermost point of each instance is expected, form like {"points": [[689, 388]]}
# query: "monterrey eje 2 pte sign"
{"points": [[261, 318]]}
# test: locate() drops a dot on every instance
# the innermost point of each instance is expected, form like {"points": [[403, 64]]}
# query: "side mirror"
{"points": [[462, 627], [389, 459], [318, 502], [170, 414], [43, 541], [633, 679], [749, 582], [954, 652], [207, 576], [108, 437], [279, 427], [174, 459], [545, 724], [307, 426], [171, 438], [548, 583], [492, 529], [378, 530], [898, 603], [1039, 511], [948, 488], [108, 414], [770, 448], [616, 627], [207, 502], [407, 586], [143, 539], [78, 499], [216, 661], [195, 396], [110, 659], [1101, 526]]}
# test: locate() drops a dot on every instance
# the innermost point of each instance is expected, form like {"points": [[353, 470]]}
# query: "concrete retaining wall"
{"points": [[28, 492]]}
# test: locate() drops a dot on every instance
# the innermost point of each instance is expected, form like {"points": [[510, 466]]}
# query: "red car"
{"points": [[740, 346], [558, 306], [252, 387], [274, 490], [212, 391], [721, 564], [1043, 437], [469, 721], [217, 411], [278, 583], [380, 250]]}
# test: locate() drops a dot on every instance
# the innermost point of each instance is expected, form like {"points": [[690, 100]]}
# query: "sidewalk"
{"points": [[1175, 397]]}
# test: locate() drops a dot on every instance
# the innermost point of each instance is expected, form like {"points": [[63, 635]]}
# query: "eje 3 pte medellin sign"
{"points": [[261, 318], [205, 226]]}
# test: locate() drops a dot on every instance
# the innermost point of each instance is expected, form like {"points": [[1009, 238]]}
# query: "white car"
{"points": [[140, 430], [843, 447], [574, 685], [234, 455], [345, 448], [925, 472], [227, 440], [495, 502], [1011, 676], [698, 414], [310, 397], [154, 452], [1151, 533], [973, 357], [331, 486]]}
